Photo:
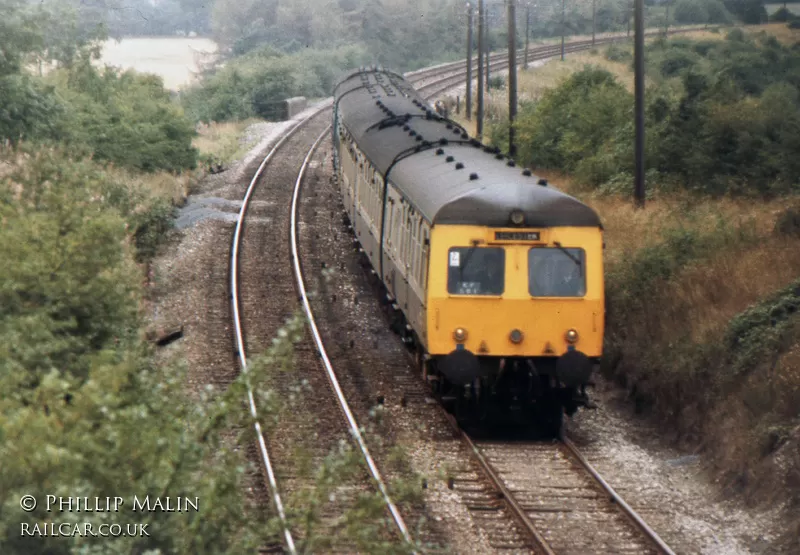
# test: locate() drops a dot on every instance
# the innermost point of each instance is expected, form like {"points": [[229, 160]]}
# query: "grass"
{"points": [[779, 30], [221, 140]]}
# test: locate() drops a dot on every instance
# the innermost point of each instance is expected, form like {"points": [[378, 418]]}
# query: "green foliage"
{"points": [[618, 53], [125, 118], [29, 111], [722, 117], [574, 125], [497, 82], [748, 11], [758, 333], [782, 14], [67, 288], [687, 11], [257, 84]]}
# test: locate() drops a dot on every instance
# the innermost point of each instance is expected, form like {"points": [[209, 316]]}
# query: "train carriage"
{"points": [[495, 277]]}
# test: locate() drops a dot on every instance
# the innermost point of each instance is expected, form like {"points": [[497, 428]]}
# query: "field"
{"points": [[177, 60]]}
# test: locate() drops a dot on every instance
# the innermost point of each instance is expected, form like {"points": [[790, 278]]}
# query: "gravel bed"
{"points": [[671, 489]]}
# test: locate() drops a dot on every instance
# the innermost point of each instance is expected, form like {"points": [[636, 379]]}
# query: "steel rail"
{"points": [[626, 509], [354, 429], [234, 284], [508, 497], [435, 71]]}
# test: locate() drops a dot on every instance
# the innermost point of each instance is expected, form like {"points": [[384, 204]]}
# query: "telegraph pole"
{"points": [[639, 194], [479, 127], [527, 32], [469, 61], [512, 74], [594, 19], [563, 25], [486, 45]]}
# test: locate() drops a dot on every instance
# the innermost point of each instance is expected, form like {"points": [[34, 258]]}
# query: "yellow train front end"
{"points": [[516, 314]]}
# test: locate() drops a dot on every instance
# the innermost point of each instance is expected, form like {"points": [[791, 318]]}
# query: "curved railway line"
{"points": [[552, 510]]}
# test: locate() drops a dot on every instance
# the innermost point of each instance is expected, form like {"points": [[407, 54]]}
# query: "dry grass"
{"points": [[701, 301], [221, 140], [163, 185], [779, 30]]}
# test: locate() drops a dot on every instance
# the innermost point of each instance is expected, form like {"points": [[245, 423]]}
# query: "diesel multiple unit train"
{"points": [[495, 277]]}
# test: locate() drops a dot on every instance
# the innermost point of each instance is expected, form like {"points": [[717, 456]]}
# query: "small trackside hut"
{"points": [[494, 277]]}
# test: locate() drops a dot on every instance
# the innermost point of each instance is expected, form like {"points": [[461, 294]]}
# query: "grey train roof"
{"points": [[449, 178]]}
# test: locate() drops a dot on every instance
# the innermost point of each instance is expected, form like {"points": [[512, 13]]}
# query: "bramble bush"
{"points": [[86, 412]]}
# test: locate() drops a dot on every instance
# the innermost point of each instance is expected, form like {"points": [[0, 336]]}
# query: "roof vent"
{"points": [[449, 125], [543, 182], [439, 151], [378, 103], [464, 135], [443, 141], [511, 163], [456, 130], [449, 159], [459, 166], [412, 133], [526, 173], [473, 176], [406, 128]]}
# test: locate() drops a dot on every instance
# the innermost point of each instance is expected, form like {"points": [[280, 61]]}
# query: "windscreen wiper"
{"points": [[565, 251], [467, 256]]}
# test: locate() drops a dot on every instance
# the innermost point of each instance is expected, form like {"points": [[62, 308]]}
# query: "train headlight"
{"points": [[517, 217], [460, 335], [516, 336], [571, 336]]}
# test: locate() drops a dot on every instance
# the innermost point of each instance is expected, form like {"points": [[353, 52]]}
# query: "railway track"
{"points": [[265, 290]]}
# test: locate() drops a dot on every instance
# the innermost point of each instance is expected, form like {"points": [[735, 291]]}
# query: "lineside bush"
{"points": [[722, 117], [85, 411]]}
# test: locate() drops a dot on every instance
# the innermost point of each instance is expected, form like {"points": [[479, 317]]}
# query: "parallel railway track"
{"points": [[258, 312]]}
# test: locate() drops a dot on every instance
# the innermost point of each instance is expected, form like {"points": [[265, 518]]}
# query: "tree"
{"points": [[749, 11]]}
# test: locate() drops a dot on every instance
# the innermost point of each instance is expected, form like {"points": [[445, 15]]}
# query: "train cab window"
{"points": [[476, 271], [556, 272]]}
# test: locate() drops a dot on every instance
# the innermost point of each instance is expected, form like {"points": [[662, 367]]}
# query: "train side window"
{"points": [[401, 243], [476, 271], [424, 282], [416, 250], [407, 245], [390, 227]]}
